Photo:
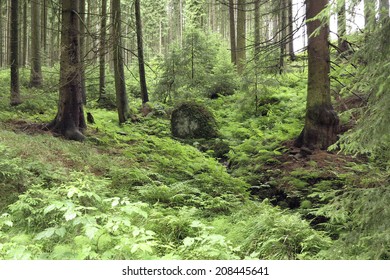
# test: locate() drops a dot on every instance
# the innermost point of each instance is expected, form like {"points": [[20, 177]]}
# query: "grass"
{"points": [[133, 192]]}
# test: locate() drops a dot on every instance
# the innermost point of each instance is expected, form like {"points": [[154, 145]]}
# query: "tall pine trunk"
{"points": [[1, 35], [14, 57], [24, 39], [120, 86], [241, 35], [141, 62], [291, 31], [321, 121], [36, 72], [70, 120], [82, 51], [44, 25], [232, 24], [257, 29], [102, 53], [283, 34]]}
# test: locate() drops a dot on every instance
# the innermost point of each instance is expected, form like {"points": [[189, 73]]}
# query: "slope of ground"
{"points": [[133, 192]]}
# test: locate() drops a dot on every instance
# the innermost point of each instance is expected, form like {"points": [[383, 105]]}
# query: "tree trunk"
{"points": [[36, 72], [232, 32], [7, 55], [88, 41], [82, 50], [54, 34], [241, 35], [321, 122], [44, 26], [14, 48], [24, 40], [342, 29], [141, 62], [1, 35], [70, 120], [58, 35], [181, 27], [291, 31], [257, 29], [120, 86], [102, 53], [283, 34]]}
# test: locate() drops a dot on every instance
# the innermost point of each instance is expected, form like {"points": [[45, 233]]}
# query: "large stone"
{"points": [[191, 121]]}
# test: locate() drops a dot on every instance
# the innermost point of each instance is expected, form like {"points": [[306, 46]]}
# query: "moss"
{"points": [[191, 120]]}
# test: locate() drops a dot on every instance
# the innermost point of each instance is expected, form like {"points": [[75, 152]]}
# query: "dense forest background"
{"points": [[199, 131]]}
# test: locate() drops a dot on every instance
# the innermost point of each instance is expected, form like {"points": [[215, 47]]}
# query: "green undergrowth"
{"points": [[257, 127], [123, 206], [134, 192]]}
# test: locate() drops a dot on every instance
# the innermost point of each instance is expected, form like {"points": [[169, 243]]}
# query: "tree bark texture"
{"points": [[82, 50], [102, 52], [44, 24], [120, 86], [241, 35], [257, 29], [291, 31], [14, 57], [24, 39], [70, 120], [283, 34], [36, 72], [140, 48], [1, 35], [232, 32], [321, 122]]}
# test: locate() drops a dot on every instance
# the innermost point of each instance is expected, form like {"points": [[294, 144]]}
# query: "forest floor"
{"points": [[134, 192]]}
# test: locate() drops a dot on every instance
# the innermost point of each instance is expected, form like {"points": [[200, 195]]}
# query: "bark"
{"points": [[36, 72], [8, 34], [24, 51], [44, 25], [257, 28], [181, 27], [120, 87], [291, 31], [342, 29], [70, 120], [82, 50], [283, 34], [54, 35], [241, 35], [14, 57], [321, 122], [102, 52], [1, 35], [88, 41], [20, 19], [232, 32], [141, 62]]}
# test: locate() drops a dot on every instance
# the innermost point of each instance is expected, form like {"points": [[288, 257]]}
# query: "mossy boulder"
{"points": [[190, 120]]}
